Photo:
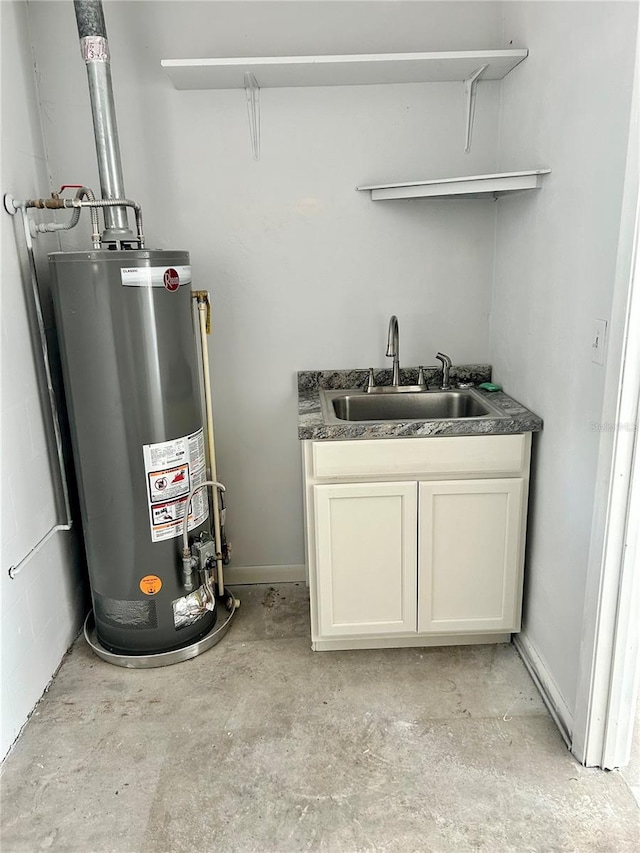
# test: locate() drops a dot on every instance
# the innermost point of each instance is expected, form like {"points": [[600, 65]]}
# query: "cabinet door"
{"points": [[471, 553], [366, 556]]}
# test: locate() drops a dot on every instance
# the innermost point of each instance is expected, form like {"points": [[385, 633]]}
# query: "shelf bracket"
{"points": [[470, 84], [252, 92]]}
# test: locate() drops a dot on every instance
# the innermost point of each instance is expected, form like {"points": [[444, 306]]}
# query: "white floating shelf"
{"points": [[345, 70], [476, 186]]}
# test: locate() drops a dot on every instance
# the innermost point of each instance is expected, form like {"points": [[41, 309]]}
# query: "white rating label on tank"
{"points": [[172, 468], [170, 278]]}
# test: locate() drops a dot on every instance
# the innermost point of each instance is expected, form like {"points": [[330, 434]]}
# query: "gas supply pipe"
{"points": [[204, 315]]}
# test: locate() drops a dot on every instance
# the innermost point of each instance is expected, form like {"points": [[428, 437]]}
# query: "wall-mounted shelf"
{"points": [[255, 73], [475, 186], [345, 70]]}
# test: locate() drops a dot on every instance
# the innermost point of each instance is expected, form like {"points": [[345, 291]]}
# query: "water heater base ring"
{"points": [[161, 658]]}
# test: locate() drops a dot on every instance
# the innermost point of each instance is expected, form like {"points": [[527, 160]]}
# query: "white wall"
{"points": [[566, 107], [42, 607], [304, 271]]}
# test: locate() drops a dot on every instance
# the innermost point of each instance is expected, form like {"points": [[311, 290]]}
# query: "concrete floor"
{"points": [[262, 745], [631, 773]]}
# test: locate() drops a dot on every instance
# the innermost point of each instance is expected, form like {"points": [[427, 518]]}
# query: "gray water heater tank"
{"points": [[126, 333]]}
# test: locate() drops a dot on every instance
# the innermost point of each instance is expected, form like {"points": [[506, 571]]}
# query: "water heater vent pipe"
{"points": [[95, 52]]}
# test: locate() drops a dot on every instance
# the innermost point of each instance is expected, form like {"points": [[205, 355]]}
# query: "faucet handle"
{"points": [[422, 382], [370, 381]]}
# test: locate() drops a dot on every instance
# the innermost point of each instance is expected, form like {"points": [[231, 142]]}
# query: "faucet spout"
{"points": [[393, 349]]}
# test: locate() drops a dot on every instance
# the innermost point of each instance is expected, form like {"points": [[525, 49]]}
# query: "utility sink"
{"points": [[412, 406]]}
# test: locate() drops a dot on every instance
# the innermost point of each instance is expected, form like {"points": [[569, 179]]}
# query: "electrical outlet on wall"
{"points": [[598, 341]]}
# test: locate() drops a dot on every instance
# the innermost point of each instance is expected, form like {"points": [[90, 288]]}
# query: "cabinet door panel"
{"points": [[366, 552], [470, 555]]}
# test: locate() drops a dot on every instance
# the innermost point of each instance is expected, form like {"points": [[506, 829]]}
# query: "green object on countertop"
{"points": [[490, 386]]}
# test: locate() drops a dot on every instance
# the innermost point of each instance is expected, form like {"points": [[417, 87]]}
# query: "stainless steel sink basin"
{"points": [[412, 406]]}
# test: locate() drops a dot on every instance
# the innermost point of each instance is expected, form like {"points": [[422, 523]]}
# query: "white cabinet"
{"points": [[414, 542], [470, 539], [366, 551]]}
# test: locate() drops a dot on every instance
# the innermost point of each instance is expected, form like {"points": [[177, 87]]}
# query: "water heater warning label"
{"points": [[150, 585], [171, 278], [172, 469], [170, 483]]}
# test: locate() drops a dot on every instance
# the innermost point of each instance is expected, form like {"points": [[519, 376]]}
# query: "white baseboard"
{"points": [[238, 575], [551, 696]]}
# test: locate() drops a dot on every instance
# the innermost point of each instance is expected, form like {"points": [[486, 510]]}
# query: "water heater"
{"points": [[142, 442], [124, 320]]}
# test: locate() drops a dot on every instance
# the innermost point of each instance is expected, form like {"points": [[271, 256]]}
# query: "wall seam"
{"points": [[495, 214]]}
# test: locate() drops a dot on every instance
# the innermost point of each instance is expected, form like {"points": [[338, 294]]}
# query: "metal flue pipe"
{"points": [[95, 52]]}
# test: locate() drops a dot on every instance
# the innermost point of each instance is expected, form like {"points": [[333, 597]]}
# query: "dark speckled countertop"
{"points": [[510, 417]]}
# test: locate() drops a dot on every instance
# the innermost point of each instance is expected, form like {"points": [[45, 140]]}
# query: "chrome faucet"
{"points": [[446, 368], [393, 349]]}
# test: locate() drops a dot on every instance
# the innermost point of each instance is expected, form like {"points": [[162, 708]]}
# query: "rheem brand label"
{"points": [[170, 278]]}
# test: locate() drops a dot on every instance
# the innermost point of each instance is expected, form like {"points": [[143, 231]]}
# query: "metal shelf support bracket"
{"points": [[470, 84], [252, 92]]}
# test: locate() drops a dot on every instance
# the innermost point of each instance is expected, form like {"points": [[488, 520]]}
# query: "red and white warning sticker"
{"points": [[172, 469], [171, 278], [170, 483]]}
